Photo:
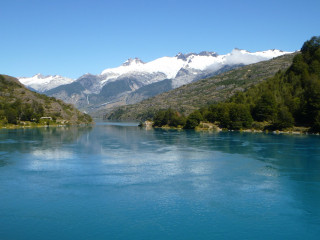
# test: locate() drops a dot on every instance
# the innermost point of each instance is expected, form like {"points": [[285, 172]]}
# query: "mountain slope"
{"points": [[210, 61], [192, 96], [288, 101], [117, 86], [18, 103]]}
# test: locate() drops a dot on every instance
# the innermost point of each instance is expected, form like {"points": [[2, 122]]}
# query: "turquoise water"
{"points": [[117, 181]]}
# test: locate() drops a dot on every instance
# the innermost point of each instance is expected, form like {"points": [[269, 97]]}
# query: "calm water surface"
{"points": [[117, 181]]}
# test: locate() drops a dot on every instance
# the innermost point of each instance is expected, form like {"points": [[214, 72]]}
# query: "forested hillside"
{"points": [[18, 105], [192, 96], [290, 98]]}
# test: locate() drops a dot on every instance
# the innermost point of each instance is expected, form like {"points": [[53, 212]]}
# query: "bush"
{"points": [[191, 123], [240, 116], [316, 124], [284, 119], [193, 120]]}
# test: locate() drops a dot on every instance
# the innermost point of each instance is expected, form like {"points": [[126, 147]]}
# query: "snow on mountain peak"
{"points": [[43, 83], [163, 68], [205, 60], [240, 56], [38, 75]]}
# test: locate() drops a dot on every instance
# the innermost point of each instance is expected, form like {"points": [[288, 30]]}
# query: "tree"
{"points": [[316, 123], [312, 99], [240, 116], [11, 115], [159, 118], [265, 109], [284, 119], [169, 117], [193, 120], [310, 47], [299, 65]]}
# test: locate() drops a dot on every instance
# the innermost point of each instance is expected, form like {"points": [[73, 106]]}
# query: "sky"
{"points": [[74, 37]]}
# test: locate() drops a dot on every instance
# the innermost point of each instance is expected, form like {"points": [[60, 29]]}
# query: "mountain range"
{"points": [[136, 80], [193, 96]]}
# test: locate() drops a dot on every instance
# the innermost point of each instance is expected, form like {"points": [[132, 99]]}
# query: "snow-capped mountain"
{"points": [[136, 80], [195, 63], [42, 83]]}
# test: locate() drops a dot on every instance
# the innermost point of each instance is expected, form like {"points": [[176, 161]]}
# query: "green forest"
{"points": [[290, 98], [18, 105], [16, 110]]}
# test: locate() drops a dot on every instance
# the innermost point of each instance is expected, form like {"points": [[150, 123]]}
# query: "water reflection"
{"points": [[201, 161], [295, 156], [44, 143], [198, 181]]}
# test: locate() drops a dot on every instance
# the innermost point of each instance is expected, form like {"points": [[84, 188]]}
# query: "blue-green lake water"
{"points": [[117, 181]]}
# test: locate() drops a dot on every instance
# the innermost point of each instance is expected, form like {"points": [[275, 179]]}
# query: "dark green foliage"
{"points": [[11, 114], [265, 109], [284, 119], [240, 116], [19, 105], [191, 124], [219, 113], [168, 118], [288, 98], [316, 124], [230, 115], [18, 111], [159, 119], [309, 49], [299, 66], [193, 120]]}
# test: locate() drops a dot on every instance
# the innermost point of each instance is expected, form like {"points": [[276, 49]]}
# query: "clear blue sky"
{"points": [[71, 38]]}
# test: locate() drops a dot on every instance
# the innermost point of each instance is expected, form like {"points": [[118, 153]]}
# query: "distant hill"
{"points": [[19, 105], [190, 97]]}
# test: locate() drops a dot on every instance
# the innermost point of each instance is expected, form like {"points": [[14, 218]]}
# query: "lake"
{"points": [[119, 181]]}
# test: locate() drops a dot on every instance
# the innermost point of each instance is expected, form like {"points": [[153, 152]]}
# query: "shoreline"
{"points": [[210, 127], [43, 126]]}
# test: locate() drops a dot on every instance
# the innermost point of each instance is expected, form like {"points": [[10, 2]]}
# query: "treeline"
{"points": [[226, 115], [290, 98]]}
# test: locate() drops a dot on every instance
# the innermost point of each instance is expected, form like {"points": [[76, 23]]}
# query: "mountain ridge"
{"points": [[93, 92], [190, 97]]}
